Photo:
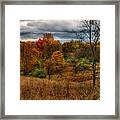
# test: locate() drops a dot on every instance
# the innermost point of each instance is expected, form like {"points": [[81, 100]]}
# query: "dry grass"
{"points": [[61, 89]]}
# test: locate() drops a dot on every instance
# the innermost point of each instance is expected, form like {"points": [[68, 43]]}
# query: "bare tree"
{"points": [[91, 29]]}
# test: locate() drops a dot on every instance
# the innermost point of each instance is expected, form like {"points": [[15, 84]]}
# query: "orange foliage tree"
{"points": [[58, 62], [32, 52], [29, 55], [48, 45]]}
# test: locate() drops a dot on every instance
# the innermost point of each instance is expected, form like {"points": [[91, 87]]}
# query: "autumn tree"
{"points": [[58, 62], [48, 45], [51, 47], [91, 29], [69, 46], [40, 43], [29, 55], [54, 64]]}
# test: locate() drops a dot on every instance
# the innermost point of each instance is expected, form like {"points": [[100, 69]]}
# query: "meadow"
{"points": [[32, 88]]}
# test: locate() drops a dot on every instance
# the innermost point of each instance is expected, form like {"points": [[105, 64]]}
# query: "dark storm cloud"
{"points": [[54, 26], [60, 28]]}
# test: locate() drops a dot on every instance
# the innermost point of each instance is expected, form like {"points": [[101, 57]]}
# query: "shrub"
{"points": [[39, 73], [30, 74], [83, 63], [21, 72], [40, 63], [72, 60], [66, 56]]}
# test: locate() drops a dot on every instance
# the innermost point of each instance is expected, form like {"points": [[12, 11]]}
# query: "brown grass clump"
{"points": [[32, 88]]}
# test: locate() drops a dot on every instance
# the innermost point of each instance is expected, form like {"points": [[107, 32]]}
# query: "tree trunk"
{"points": [[49, 76], [93, 52], [94, 72], [26, 66], [49, 73]]}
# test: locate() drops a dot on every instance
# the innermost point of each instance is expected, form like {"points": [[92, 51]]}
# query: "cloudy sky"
{"points": [[61, 29]]}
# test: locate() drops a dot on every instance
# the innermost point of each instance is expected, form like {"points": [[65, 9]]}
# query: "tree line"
{"points": [[47, 56]]}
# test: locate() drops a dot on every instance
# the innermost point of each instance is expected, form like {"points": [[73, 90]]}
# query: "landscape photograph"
{"points": [[59, 59]]}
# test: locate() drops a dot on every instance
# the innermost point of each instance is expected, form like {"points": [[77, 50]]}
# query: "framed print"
{"points": [[60, 59]]}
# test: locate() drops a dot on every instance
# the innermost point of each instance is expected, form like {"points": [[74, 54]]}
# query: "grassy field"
{"points": [[32, 88]]}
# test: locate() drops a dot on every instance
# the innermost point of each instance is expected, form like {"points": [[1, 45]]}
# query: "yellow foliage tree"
{"points": [[57, 62]]}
